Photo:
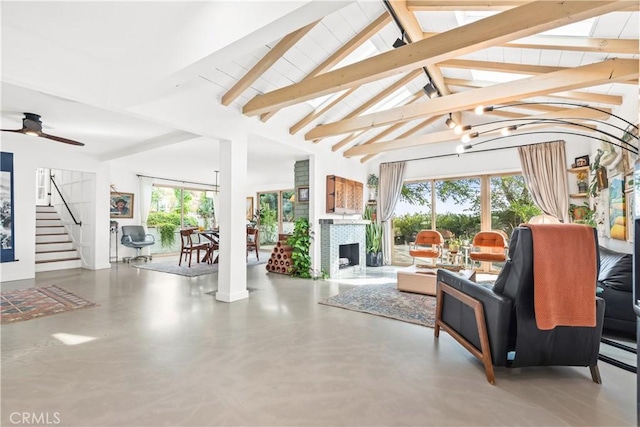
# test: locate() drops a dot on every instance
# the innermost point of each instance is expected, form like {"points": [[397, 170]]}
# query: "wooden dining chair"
{"points": [[188, 245], [253, 241]]}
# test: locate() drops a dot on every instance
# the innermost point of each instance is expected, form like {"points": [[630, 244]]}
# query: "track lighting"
{"points": [[399, 41], [450, 123], [462, 148], [430, 90], [480, 110], [458, 129], [507, 130], [469, 136]]}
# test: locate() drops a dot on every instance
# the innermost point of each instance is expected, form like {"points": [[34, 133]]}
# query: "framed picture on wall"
{"points": [[249, 208], [303, 194], [121, 205]]}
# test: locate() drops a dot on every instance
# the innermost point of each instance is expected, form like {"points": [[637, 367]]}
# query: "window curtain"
{"points": [[390, 186], [214, 220], [544, 167], [146, 188]]}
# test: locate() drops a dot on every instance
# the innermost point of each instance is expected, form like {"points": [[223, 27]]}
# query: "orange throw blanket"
{"points": [[564, 275]]}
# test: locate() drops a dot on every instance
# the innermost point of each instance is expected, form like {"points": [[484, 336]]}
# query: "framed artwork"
{"points": [[121, 205], [7, 231], [249, 208], [303, 194], [630, 215], [617, 209], [582, 161]]}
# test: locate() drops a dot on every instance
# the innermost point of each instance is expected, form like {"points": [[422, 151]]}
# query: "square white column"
{"points": [[232, 276]]}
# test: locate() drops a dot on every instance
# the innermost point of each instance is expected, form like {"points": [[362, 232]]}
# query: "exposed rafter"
{"points": [[510, 25], [609, 71], [320, 110], [265, 63], [600, 98], [448, 135], [410, 24], [462, 5], [356, 41]]}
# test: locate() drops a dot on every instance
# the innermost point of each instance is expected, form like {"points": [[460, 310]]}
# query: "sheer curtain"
{"points": [[390, 186], [544, 167], [146, 188]]}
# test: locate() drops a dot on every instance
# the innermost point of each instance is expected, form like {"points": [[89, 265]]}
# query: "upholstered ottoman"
{"points": [[423, 280]]}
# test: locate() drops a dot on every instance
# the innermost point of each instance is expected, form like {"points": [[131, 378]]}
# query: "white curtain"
{"points": [[390, 186], [216, 197], [146, 188], [544, 167]]}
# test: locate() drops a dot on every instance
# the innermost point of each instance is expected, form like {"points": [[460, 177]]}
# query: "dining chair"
{"points": [[253, 240], [188, 245]]}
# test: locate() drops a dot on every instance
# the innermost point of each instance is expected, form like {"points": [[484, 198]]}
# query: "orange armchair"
{"points": [[428, 244], [496, 243]]}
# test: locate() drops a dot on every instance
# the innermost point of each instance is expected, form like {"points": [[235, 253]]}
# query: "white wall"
{"points": [[29, 154]]}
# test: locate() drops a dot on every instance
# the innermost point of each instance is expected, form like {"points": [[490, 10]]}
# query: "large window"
{"points": [[176, 208], [276, 215], [459, 208]]}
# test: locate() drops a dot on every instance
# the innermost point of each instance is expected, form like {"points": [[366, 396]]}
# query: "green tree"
{"points": [[206, 210]]}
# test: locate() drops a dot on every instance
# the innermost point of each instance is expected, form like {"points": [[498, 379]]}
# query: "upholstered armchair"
{"points": [[134, 236], [428, 244], [499, 326], [489, 246]]}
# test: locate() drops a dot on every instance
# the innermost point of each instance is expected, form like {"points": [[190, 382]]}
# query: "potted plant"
{"points": [[581, 214], [581, 177], [454, 245], [373, 240], [372, 183]]}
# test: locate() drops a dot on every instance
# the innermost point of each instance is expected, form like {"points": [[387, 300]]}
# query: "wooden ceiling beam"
{"points": [[462, 5], [265, 63], [450, 135], [320, 110], [572, 43], [599, 98], [414, 31], [335, 147], [355, 42], [609, 71], [510, 25]]}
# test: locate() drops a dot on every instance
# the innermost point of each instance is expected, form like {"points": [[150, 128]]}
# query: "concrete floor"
{"points": [[163, 352]]}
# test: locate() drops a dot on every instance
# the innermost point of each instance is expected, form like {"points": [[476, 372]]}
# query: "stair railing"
{"points": [[64, 201]]}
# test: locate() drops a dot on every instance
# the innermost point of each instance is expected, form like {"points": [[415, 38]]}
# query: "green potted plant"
{"points": [[372, 183], [300, 241], [373, 240], [454, 245]]}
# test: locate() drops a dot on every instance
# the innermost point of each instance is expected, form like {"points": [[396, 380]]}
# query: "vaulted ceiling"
{"points": [[340, 82]]}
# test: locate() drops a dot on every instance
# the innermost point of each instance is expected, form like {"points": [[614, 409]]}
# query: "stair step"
{"points": [[40, 231], [46, 215], [61, 255], [44, 247], [48, 222], [44, 261], [52, 238], [45, 209], [58, 265]]}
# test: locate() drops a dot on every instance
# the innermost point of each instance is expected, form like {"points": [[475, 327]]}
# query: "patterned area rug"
{"points": [[25, 304], [196, 269], [385, 300]]}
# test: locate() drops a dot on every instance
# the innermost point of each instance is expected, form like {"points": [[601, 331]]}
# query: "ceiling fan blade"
{"points": [[57, 138], [12, 130]]}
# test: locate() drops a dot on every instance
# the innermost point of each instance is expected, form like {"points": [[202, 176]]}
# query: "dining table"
{"points": [[214, 237]]}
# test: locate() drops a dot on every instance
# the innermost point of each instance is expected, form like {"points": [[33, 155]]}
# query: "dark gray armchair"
{"points": [[498, 325], [134, 236]]}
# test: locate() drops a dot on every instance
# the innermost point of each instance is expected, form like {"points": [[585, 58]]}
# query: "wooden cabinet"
{"points": [[344, 196]]}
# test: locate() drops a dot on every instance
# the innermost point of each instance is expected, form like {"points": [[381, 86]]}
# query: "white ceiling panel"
{"points": [[570, 59]]}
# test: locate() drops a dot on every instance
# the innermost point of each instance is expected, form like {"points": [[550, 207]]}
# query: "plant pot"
{"points": [[582, 187], [374, 259]]}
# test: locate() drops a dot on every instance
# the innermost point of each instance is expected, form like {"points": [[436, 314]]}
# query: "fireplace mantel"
{"points": [[336, 232]]}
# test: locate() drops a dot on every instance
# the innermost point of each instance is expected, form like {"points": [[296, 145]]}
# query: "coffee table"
{"points": [[424, 280]]}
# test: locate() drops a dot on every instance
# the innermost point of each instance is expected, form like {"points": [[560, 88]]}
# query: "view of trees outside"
{"points": [[276, 215], [176, 208], [458, 211]]}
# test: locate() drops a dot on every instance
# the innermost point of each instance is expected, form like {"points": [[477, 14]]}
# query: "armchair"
{"points": [[498, 325], [494, 244], [428, 244], [134, 236]]}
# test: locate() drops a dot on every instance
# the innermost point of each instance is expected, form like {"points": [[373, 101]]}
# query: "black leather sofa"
{"points": [[615, 287]]}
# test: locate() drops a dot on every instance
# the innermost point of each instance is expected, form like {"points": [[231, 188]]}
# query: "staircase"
{"points": [[54, 247]]}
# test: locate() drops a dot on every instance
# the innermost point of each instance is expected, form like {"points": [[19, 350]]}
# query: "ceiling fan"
{"points": [[32, 125]]}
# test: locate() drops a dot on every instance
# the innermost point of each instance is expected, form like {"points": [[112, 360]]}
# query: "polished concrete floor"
{"points": [[160, 351]]}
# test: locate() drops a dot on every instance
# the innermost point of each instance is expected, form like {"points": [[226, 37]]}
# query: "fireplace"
{"points": [[342, 239], [349, 255]]}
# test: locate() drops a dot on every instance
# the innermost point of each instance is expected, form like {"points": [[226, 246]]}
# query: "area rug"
{"points": [[385, 300], [25, 304], [196, 269]]}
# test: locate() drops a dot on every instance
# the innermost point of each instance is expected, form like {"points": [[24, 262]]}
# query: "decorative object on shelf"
{"points": [[582, 161], [617, 209], [372, 184], [303, 194], [581, 177], [582, 214], [121, 205]]}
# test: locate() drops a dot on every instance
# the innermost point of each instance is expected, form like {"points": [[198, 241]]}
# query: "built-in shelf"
{"points": [[580, 169], [579, 195]]}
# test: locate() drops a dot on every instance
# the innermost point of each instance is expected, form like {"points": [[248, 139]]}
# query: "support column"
{"points": [[232, 276]]}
